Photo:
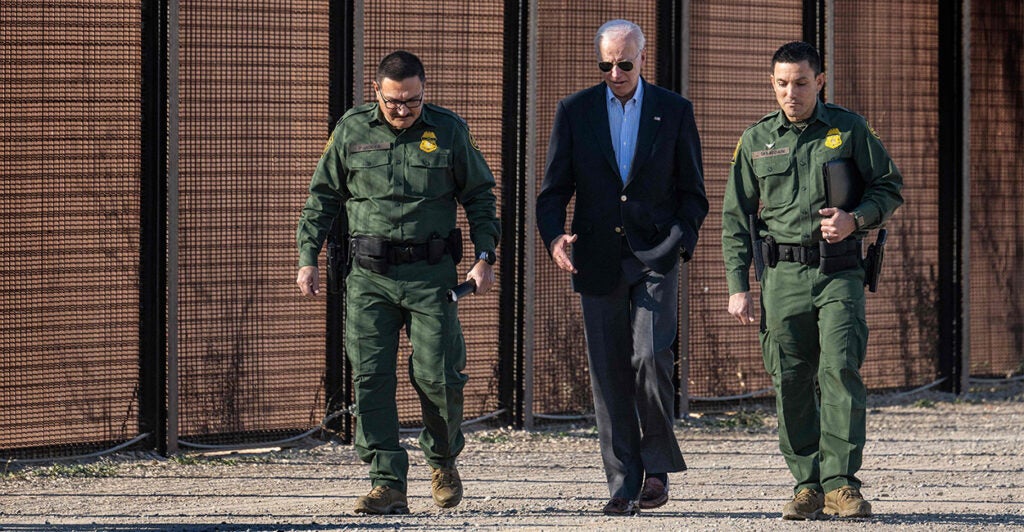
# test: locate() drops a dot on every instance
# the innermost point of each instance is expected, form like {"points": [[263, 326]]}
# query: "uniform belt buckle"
{"points": [[401, 254]]}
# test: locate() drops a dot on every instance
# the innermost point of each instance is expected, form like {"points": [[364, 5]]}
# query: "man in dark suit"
{"points": [[630, 153]]}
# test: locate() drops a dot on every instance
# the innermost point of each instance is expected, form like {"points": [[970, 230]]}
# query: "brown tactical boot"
{"points": [[847, 502], [806, 505], [446, 486], [382, 500]]}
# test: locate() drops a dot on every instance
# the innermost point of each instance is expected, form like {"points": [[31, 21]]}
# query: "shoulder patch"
{"points": [[872, 130], [330, 140], [736, 151]]}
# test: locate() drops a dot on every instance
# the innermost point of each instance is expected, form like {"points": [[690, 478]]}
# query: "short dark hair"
{"points": [[400, 65], [796, 51]]}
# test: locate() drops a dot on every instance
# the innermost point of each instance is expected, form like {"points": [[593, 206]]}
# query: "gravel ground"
{"points": [[933, 462]]}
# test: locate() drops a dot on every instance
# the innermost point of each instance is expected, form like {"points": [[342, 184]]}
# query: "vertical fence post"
{"points": [[530, 235], [514, 226], [152, 246], [518, 266], [172, 227], [672, 60], [813, 32], [965, 195], [828, 45], [814, 24], [337, 378], [952, 232]]}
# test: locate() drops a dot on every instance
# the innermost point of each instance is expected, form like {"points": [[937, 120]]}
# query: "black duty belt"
{"points": [[808, 256], [391, 252], [378, 254]]}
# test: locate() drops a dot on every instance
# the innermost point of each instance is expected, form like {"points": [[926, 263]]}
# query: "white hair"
{"points": [[619, 27]]}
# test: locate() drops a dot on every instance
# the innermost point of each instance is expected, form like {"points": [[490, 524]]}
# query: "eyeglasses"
{"points": [[625, 66], [395, 104]]}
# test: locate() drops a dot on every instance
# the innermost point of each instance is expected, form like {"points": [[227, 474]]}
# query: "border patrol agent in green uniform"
{"points": [[812, 321], [397, 170]]}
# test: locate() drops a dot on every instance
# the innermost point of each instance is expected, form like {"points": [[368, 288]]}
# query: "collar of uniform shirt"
{"points": [[376, 119], [819, 115]]}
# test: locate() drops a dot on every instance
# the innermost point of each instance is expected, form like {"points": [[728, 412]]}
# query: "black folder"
{"points": [[843, 184]]}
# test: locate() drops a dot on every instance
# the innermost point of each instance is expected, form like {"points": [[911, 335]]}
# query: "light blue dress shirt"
{"points": [[624, 123]]}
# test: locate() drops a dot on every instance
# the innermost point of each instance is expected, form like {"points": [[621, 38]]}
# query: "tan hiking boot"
{"points": [[847, 502], [805, 505], [446, 486], [382, 500]]}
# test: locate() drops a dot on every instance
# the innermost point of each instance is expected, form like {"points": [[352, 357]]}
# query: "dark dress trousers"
{"points": [[630, 238]]}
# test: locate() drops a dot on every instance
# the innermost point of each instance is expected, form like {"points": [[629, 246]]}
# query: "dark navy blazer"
{"points": [[659, 208]]}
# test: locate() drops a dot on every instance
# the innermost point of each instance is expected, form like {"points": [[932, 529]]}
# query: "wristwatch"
{"points": [[858, 219], [488, 256]]}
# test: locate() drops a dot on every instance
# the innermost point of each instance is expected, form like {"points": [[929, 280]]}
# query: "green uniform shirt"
{"points": [[780, 167], [399, 185]]}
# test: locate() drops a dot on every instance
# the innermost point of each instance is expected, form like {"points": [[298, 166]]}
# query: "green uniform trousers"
{"points": [[813, 327], [377, 308]]}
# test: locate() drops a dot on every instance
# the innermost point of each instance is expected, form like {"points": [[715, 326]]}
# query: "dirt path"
{"points": [[932, 463]]}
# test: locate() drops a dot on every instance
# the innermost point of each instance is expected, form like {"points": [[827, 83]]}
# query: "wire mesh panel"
{"points": [[69, 224], [886, 69], [252, 114], [461, 45], [997, 186], [566, 63], [731, 46]]}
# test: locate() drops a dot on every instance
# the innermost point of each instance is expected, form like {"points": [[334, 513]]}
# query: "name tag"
{"points": [[769, 153], [356, 148]]}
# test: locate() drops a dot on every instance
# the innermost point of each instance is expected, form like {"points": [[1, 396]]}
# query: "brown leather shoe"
{"points": [[847, 502], [621, 506], [654, 494]]}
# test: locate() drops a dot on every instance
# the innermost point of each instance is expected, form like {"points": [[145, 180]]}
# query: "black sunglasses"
{"points": [[624, 66]]}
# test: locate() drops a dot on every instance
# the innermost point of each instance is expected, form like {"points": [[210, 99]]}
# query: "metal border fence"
{"points": [[154, 155]]}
